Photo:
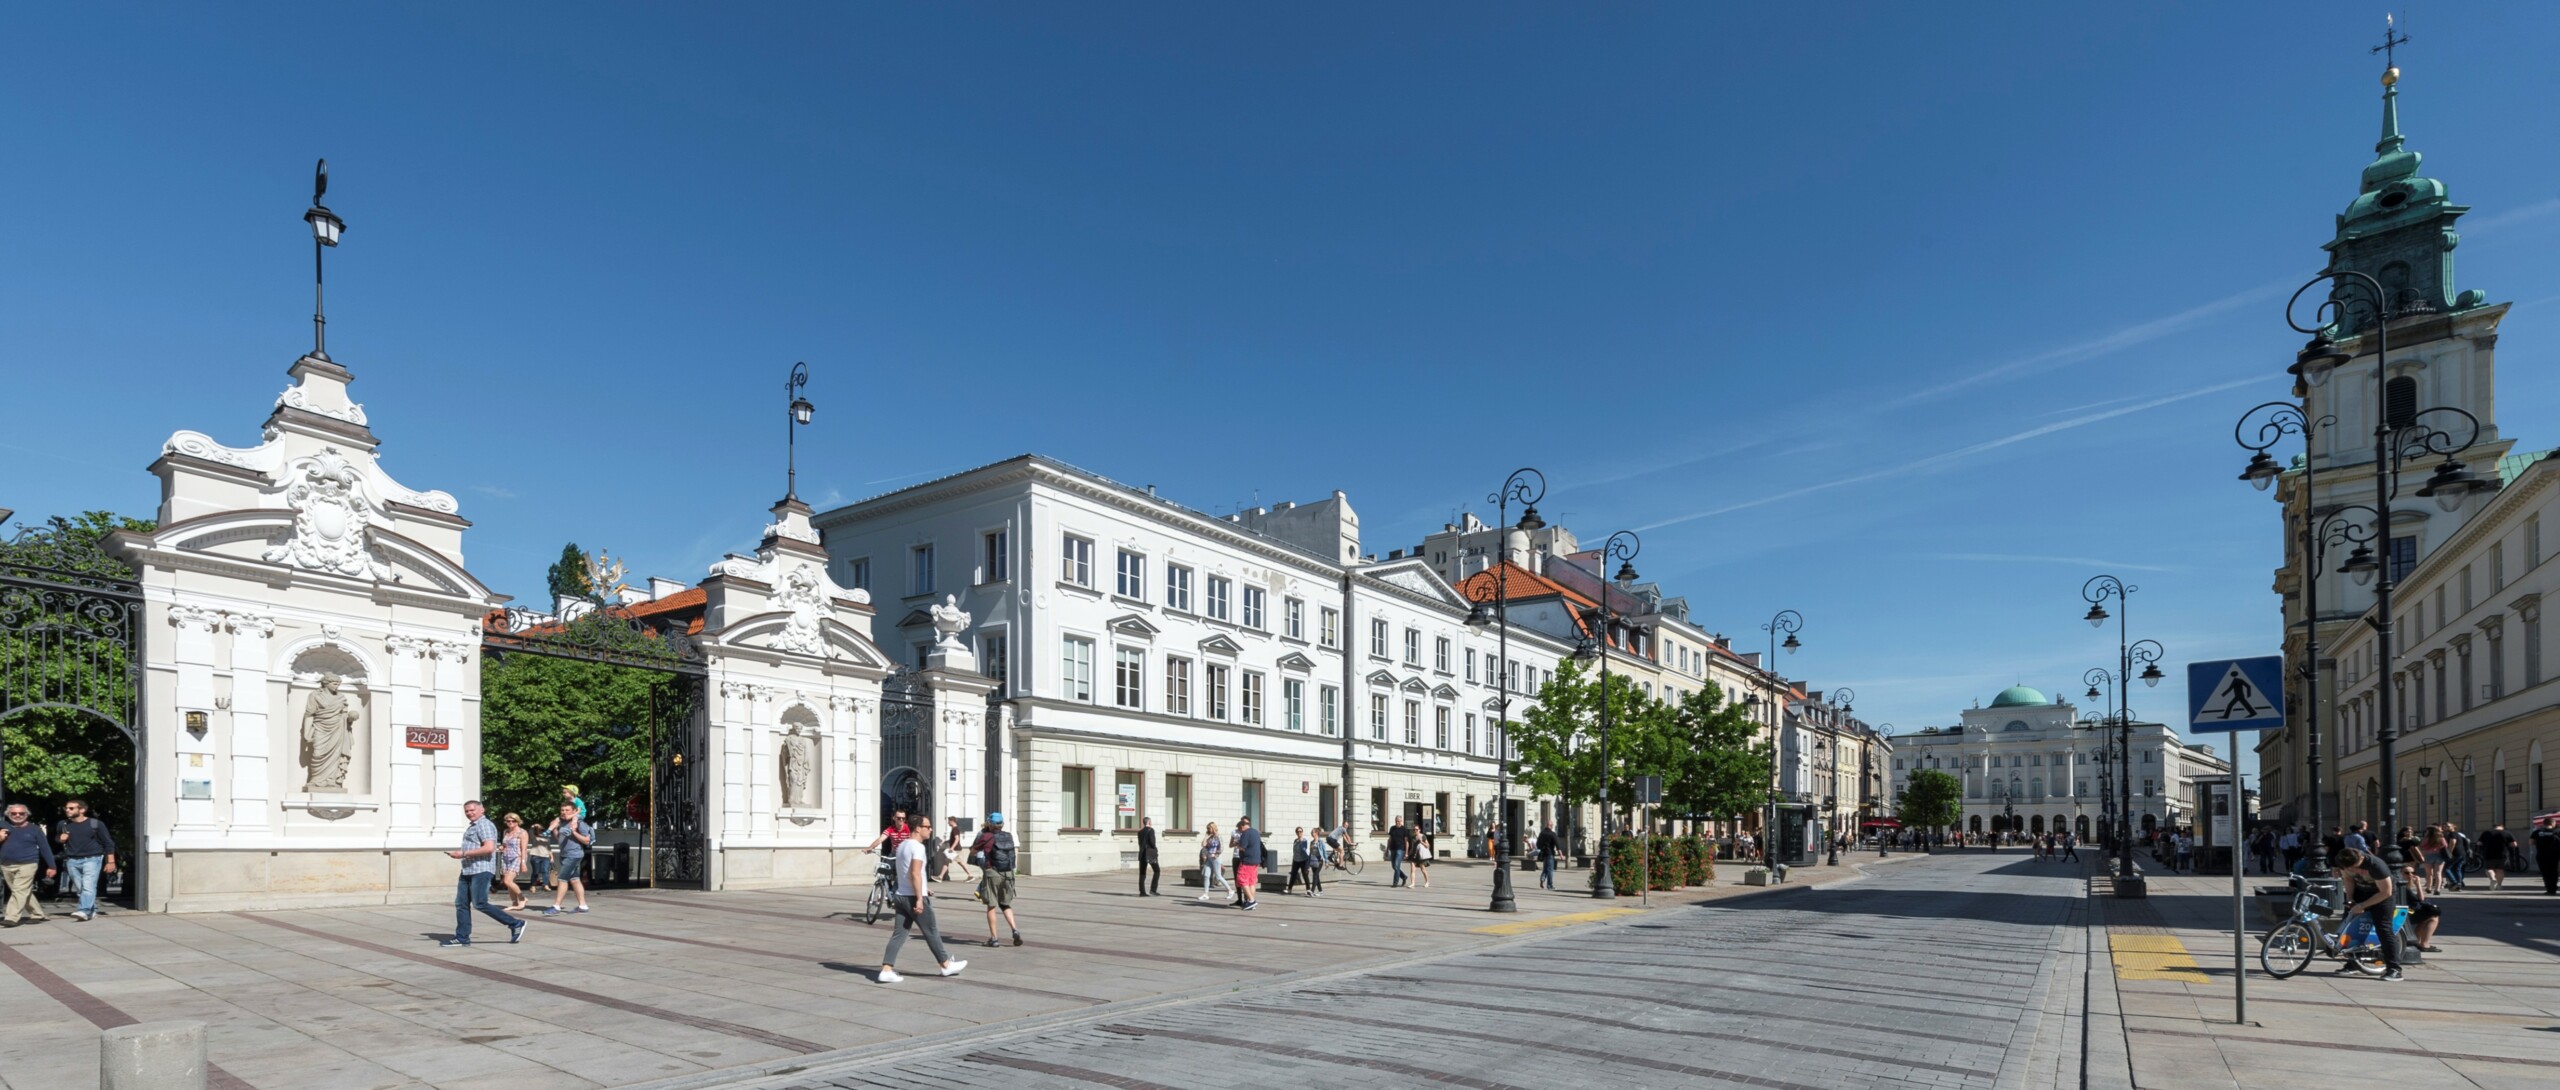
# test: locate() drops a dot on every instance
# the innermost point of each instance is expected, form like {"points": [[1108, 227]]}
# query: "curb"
{"points": [[2106, 1054], [821, 1065]]}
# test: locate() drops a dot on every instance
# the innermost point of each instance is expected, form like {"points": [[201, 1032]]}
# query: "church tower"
{"points": [[2399, 230]]}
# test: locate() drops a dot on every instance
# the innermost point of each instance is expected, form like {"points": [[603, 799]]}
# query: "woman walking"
{"points": [[1210, 879], [511, 845], [1423, 852], [952, 853], [2432, 849]]}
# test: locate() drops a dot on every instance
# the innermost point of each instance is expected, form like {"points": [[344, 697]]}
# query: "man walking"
{"points": [[914, 904], [2071, 846], [1546, 856], [1248, 864], [994, 854], [1399, 841], [22, 848], [571, 837], [2494, 848], [88, 850], [2546, 853], [2456, 855], [479, 865], [1148, 866]]}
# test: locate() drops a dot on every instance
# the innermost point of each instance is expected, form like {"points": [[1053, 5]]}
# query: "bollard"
{"points": [[152, 1056]]}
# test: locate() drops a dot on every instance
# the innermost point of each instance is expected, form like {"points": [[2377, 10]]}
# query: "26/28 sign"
{"points": [[429, 738]]}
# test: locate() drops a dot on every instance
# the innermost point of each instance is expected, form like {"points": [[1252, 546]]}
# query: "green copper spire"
{"points": [[2399, 229]]}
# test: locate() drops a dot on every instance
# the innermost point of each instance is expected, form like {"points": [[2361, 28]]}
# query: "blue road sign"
{"points": [[2235, 694]]}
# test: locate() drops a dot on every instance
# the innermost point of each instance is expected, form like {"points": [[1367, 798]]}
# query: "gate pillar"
{"points": [[959, 716]]}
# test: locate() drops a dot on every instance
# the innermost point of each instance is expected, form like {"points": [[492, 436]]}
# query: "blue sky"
{"points": [[1908, 317]]}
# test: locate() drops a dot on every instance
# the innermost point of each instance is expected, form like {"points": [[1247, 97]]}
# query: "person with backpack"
{"points": [[2457, 856], [1248, 864], [994, 854], [2495, 846]]}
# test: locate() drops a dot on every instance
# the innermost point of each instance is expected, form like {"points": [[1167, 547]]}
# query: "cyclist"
{"points": [[2369, 889]]}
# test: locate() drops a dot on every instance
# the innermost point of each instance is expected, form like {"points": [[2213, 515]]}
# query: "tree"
{"points": [[1930, 800], [1717, 765], [550, 721], [568, 575], [1559, 739], [51, 754]]}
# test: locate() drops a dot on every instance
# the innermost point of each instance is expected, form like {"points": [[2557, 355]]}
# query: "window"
{"points": [[1217, 692], [2533, 646], [1377, 717], [1295, 613], [1133, 575], [1471, 665], [1413, 722], [1177, 587], [1378, 638], [995, 658], [1177, 801], [1128, 799], [1471, 732], [920, 569], [2497, 565], [1413, 647], [1128, 678], [1177, 686], [1075, 799], [1251, 698], [1253, 601], [2404, 556], [1075, 561], [995, 560], [1440, 728], [1377, 809], [2467, 690], [2399, 399], [1293, 704], [2150, 788], [1440, 655], [1253, 803], [1329, 630], [2533, 541], [2497, 664], [1219, 590], [2467, 601], [1328, 708], [1075, 670], [857, 574]]}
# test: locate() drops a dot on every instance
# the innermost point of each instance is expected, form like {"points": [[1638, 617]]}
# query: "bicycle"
{"points": [[1347, 859], [2288, 948], [882, 888]]}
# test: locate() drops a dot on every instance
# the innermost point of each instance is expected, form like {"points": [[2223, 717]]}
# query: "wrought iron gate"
{"points": [[68, 647], [906, 738], [679, 849]]}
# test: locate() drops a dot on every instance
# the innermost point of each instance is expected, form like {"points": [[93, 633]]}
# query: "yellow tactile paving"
{"points": [[2153, 957], [1523, 927]]}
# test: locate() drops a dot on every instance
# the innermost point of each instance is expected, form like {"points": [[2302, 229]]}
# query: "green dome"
{"points": [[2018, 696]]}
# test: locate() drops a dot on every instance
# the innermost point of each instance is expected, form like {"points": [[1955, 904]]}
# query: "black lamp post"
{"points": [[2097, 677], [1787, 622], [800, 413], [1621, 547], [325, 229], [2401, 432], [1528, 486], [2148, 652], [1841, 698]]}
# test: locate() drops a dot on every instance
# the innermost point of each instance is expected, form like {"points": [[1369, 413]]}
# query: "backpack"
{"points": [[994, 850]]}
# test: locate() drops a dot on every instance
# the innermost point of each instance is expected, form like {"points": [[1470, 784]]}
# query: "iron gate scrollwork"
{"points": [[69, 645], [906, 724]]}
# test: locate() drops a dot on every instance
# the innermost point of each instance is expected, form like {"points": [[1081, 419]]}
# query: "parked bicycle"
{"points": [[2288, 948]]}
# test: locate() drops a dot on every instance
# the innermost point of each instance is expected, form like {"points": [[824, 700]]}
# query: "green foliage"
{"points": [[1662, 863], [568, 575], [52, 754], [1717, 763], [1703, 748], [549, 721], [1931, 799]]}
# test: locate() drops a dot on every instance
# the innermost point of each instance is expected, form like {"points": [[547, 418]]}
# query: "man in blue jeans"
{"points": [[87, 850], [1547, 845], [1399, 839], [479, 864]]}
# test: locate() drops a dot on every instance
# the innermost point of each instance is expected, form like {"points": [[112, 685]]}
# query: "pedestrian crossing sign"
{"points": [[2236, 694]]}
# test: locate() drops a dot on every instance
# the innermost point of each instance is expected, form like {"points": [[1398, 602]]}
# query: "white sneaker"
{"points": [[954, 968], [889, 975]]}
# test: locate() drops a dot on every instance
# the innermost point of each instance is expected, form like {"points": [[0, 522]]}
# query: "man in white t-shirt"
{"points": [[913, 901]]}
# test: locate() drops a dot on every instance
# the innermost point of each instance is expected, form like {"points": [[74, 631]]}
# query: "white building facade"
{"points": [[1156, 662], [2032, 762]]}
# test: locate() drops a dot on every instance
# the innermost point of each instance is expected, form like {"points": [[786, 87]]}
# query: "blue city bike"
{"points": [[2288, 948]]}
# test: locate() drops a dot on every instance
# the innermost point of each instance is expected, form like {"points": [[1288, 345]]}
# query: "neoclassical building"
{"points": [[2034, 764]]}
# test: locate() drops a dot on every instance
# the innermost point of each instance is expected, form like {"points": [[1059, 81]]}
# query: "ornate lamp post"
{"points": [[325, 229], [1621, 547], [1841, 698], [1785, 622], [800, 413], [1528, 486], [2097, 677], [2096, 592], [2401, 432]]}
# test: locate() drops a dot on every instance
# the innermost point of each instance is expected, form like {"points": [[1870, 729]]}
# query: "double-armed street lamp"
{"points": [[2098, 677], [1786, 622], [1621, 547], [1528, 486], [2128, 651], [2402, 431]]}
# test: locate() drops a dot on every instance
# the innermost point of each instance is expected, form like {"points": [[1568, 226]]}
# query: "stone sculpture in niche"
{"points": [[329, 720], [799, 772], [801, 595], [332, 519]]}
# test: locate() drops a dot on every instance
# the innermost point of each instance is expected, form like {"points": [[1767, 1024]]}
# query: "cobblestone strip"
{"points": [[2106, 1053]]}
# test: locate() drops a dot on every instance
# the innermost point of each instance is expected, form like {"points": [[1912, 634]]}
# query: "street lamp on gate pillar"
{"points": [[1621, 547], [325, 229], [1528, 486], [800, 413]]}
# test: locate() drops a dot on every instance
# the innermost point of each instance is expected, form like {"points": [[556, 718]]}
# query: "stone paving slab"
{"points": [[660, 983]]}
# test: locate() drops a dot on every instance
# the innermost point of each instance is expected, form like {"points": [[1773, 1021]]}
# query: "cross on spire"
{"points": [[2391, 39]]}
